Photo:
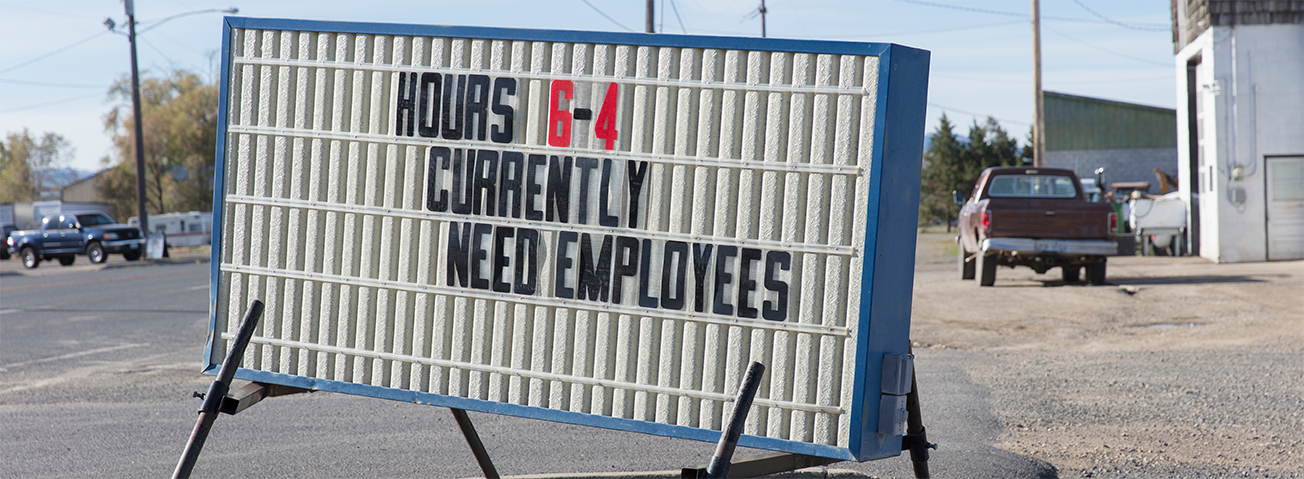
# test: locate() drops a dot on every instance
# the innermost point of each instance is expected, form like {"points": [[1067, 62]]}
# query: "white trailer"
{"points": [[181, 229]]}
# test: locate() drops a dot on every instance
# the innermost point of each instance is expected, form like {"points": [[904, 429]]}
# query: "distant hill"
{"points": [[61, 177]]}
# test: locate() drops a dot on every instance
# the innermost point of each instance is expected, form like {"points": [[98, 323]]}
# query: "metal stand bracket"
{"points": [[765, 465], [253, 393]]}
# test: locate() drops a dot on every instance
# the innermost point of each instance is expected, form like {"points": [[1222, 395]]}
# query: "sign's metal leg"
{"points": [[719, 465], [916, 438], [473, 440], [217, 391]]}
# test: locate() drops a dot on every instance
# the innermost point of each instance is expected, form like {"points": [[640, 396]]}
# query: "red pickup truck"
{"points": [[1034, 217]]}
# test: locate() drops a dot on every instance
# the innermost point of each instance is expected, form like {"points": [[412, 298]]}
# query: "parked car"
{"points": [[1034, 217], [64, 236], [4, 241]]}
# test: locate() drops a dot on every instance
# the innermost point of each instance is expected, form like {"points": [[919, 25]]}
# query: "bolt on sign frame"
{"points": [[591, 228]]}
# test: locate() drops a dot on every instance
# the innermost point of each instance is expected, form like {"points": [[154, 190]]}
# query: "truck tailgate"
{"points": [[1056, 219]]}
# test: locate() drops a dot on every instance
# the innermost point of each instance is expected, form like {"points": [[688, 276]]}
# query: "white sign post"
{"points": [[592, 228]]}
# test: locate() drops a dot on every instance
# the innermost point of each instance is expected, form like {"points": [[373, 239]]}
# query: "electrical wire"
{"points": [[975, 115], [1014, 14], [56, 102], [54, 85], [922, 32], [1008, 80], [53, 53], [47, 12], [604, 15], [1116, 22], [681, 19], [160, 52], [1111, 52]]}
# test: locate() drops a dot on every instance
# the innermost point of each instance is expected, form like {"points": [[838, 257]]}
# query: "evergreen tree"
{"points": [[954, 165]]}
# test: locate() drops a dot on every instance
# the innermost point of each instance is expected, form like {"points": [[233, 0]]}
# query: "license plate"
{"points": [[1050, 246], [134, 246]]}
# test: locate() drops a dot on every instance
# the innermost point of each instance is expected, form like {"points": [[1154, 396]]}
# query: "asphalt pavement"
{"points": [[99, 365]]}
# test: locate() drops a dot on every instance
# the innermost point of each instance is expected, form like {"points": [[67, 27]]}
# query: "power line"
{"points": [[47, 12], [922, 32], [160, 52], [1111, 52], [1069, 82], [681, 19], [975, 115], [1019, 14], [56, 102], [48, 84], [604, 15], [53, 53], [1115, 22]]}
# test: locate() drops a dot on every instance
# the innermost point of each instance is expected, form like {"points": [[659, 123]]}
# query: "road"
{"points": [[98, 366], [1032, 378]]}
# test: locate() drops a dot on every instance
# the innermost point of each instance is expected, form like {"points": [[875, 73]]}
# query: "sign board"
{"points": [[592, 228]]}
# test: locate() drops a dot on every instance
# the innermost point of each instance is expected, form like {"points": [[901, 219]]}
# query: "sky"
{"points": [[58, 59]]}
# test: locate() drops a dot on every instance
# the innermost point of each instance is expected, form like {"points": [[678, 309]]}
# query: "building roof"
{"points": [[1083, 123]]}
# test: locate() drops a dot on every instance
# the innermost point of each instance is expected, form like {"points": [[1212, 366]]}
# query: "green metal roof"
{"points": [[1081, 123]]}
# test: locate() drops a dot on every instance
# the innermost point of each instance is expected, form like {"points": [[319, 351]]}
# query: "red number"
{"points": [[605, 128], [559, 120]]}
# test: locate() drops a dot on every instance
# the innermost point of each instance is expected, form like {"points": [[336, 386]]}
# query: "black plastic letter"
{"points": [[480, 249], [558, 197], [428, 122], [777, 311], [701, 260], [501, 86], [595, 277], [436, 194], [626, 265], [459, 239], [636, 171], [477, 102], [673, 270], [723, 277], [406, 104], [501, 234], [527, 261], [746, 285], [534, 185]]}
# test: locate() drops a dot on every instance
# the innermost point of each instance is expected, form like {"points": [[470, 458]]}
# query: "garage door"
{"points": [[1285, 208]]}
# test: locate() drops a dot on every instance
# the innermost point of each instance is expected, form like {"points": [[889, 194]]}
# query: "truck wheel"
{"points": [[966, 263], [67, 260], [96, 253], [30, 259], [1096, 273], [131, 256], [1071, 274], [986, 269]]}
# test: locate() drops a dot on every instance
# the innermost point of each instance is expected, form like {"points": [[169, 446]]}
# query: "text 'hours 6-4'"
{"points": [[560, 118]]}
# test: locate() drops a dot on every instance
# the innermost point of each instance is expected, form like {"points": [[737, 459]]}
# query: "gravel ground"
{"points": [[1177, 368]]}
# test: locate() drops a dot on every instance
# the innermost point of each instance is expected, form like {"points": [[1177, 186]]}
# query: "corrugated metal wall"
{"points": [[324, 222], [1082, 123]]}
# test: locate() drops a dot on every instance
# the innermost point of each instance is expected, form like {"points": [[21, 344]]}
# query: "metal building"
{"points": [[1127, 139], [1240, 135]]}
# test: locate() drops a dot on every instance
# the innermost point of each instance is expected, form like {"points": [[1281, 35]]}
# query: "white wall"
{"points": [[1252, 88]]}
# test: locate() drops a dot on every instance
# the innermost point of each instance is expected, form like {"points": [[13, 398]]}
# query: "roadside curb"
{"points": [[808, 473]]}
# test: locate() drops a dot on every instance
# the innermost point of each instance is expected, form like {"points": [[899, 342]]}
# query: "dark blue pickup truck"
{"points": [[67, 235]]}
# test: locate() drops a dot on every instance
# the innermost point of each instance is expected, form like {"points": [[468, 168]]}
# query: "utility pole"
{"points": [[140, 134], [762, 18], [650, 27], [1039, 127]]}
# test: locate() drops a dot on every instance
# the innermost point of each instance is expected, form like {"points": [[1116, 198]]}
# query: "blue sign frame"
{"points": [[889, 251]]}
